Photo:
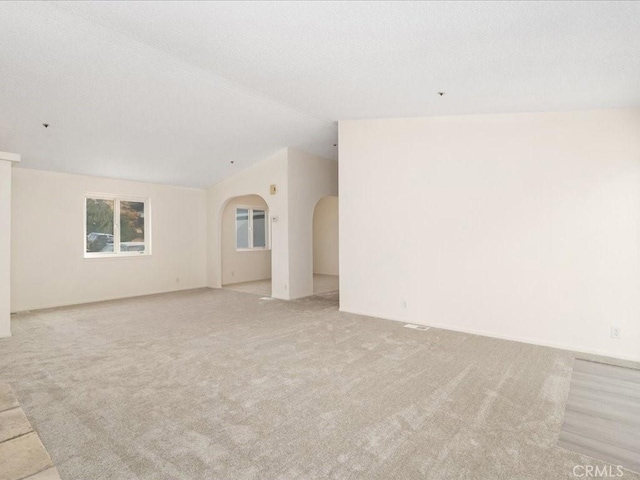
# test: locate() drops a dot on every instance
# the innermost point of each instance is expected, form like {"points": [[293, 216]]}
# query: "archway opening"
{"points": [[325, 248], [246, 245]]}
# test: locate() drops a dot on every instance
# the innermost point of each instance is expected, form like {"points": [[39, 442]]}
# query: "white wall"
{"points": [[255, 180], [301, 179], [5, 242], [48, 267], [310, 178], [242, 266], [523, 226], [325, 236]]}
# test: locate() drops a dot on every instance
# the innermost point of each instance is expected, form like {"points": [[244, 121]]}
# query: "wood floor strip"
{"points": [[602, 415]]}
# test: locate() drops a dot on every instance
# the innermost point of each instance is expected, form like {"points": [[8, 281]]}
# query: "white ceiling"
{"points": [[171, 92]]}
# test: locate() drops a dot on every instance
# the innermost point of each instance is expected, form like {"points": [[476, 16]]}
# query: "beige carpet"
{"points": [[322, 285], [217, 384], [255, 287]]}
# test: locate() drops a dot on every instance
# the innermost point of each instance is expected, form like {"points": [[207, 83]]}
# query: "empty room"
{"points": [[319, 240]]}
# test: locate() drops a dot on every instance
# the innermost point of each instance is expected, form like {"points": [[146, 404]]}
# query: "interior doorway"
{"points": [[325, 248], [246, 245]]}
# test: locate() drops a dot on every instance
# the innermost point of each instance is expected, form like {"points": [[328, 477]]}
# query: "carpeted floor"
{"points": [[322, 285], [218, 384]]}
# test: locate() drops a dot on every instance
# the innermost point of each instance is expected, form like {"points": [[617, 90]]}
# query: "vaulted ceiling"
{"points": [[172, 92]]}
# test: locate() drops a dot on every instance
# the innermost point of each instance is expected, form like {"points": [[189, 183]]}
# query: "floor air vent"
{"points": [[417, 327]]}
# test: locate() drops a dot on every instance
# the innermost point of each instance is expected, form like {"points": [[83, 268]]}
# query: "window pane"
{"points": [[242, 228], [99, 225], [259, 229], [131, 226]]}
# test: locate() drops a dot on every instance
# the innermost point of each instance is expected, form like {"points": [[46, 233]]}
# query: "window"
{"points": [[116, 226], [251, 229]]}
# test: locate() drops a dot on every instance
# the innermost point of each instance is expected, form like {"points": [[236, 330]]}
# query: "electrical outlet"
{"points": [[404, 304], [177, 279], [616, 333]]}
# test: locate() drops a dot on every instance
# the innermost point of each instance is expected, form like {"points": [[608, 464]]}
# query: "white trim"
{"points": [[257, 207], [267, 220], [107, 299], [10, 157], [481, 333], [117, 199]]}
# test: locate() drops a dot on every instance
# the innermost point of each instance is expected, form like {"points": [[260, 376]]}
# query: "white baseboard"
{"points": [[505, 337], [104, 299]]}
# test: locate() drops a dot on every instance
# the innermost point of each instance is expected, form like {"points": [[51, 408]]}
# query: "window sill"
{"points": [[143, 255], [244, 250]]}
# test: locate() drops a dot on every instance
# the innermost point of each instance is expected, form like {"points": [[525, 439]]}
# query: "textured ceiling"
{"points": [[172, 91]]}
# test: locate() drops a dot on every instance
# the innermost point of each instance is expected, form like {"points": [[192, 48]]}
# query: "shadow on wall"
{"points": [[325, 236], [246, 242]]}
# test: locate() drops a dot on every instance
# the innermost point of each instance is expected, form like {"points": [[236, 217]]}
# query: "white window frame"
{"points": [[116, 199], [267, 239]]}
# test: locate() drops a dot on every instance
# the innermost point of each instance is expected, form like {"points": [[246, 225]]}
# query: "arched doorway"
{"points": [[246, 245], [325, 248]]}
